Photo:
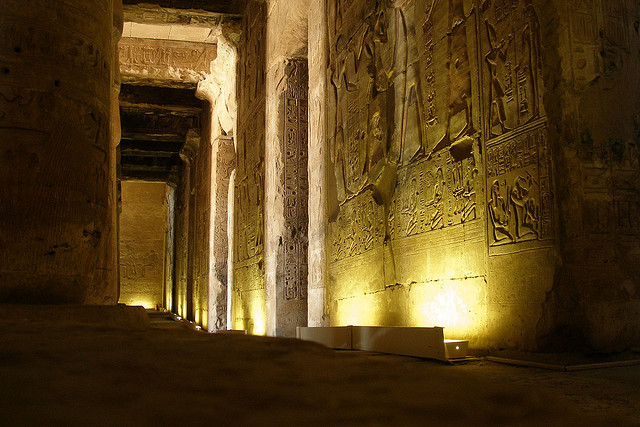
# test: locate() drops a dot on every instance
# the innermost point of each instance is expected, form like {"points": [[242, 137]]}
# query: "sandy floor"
{"points": [[54, 374]]}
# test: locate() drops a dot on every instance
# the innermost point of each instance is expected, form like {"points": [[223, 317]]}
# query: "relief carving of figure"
{"points": [[459, 120], [497, 54], [437, 218], [527, 211], [499, 213]]}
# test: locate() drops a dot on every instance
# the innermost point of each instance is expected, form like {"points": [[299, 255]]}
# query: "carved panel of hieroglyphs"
{"points": [[519, 202], [249, 192], [585, 41], [146, 54], [434, 194], [296, 185], [358, 229], [615, 23], [249, 184], [137, 265], [512, 63]]}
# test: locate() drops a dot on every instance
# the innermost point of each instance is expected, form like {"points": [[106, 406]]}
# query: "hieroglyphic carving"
{"points": [[615, 23], [358, 229], [434, 194], [585, 46], [250, 197], [519, 201], [362, 118], [143, 53], [402, 128], [249, 184], [611, 201], [512, 56], [135, 266], [296, 185]]}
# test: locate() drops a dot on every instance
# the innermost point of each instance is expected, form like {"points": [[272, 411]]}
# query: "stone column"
{"points": [[291, 251], [55, 92], [318, 47], [286, 184], [223, 163]]}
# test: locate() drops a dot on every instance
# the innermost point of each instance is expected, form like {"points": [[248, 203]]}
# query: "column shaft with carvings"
{"points": [[223, 163], [292, 265], [55, 94], [318, 59]]}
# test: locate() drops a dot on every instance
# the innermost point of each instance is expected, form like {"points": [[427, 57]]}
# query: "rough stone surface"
{"points": [[79, 375], [55, 106], [109, 316], [143, 225]]}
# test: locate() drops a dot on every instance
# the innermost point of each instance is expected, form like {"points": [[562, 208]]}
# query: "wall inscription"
{"points": [[519, 202], [296, 185], [137, 53]]}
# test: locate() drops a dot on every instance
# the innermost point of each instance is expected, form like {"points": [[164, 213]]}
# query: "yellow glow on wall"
{"points": [[169, 302], [361, 311], [143, 302], [459, 306], [250, 311], [259, 319]]}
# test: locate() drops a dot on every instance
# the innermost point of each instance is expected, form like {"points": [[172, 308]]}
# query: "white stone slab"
{"points": [[406, 341], [338, 337]]}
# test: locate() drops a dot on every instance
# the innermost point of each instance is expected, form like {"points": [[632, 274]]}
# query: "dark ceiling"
{"points": [[155, 122]]}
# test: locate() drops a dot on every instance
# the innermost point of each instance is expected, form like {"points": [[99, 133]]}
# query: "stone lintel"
{"points": [[176, 11]]}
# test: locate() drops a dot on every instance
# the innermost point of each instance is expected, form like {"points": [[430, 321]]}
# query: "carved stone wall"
{"points": [[143, 223], [406, 196], [55, 92], [249, 297], [482, 169], [596, 115]]}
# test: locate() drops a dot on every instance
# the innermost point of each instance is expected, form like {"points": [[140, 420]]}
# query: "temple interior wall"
{"points": [[471, 164], [458, 193], [143, 224]]}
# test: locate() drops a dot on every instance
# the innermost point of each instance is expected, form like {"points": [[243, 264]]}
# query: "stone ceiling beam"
{"points": [[145, 61], [154, 97], [155, 15], [151, 146], [184, 7], [144, 125], [129, 152]]}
